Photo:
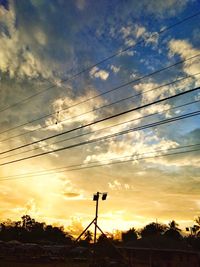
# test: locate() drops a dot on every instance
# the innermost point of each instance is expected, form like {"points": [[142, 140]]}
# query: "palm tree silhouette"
{"points": [[88, 236], [173, 231], [196, 227]]}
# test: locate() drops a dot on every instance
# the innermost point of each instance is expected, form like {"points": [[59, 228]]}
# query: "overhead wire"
{"points": [[105, 137], [105, 59], [101, 120], [108, 91], [102, 129], [110, 161], [95, 109]]}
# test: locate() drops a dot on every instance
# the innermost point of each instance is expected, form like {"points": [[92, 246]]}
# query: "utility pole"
{"points": [[96, 216], [96, 198]]}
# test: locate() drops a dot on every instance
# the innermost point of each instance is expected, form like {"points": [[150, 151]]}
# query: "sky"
{"points": [[68, 69]]}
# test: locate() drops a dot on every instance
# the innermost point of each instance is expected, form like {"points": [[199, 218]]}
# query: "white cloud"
{"points": [[185, 50], [163, 8], [134, 145], [130, 42], [68, 110], [170, 163], [15, 57], [139, 31], [40, 37], [98, 73], [149, 95], [117, 185], [126, 31], [152, 38], [135, 31], [115, 69]]}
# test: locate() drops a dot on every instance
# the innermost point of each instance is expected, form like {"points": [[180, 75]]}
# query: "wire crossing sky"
{"points": [[102, 120], [99, 130], [111, 90], [121, 51], [118, 160], [88, 85]]}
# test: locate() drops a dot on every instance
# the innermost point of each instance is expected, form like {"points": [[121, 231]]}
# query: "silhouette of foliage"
{"points": [[152, 229], [88, 236], [196, 227], [130, 235], [29, 230], [173, 232]]}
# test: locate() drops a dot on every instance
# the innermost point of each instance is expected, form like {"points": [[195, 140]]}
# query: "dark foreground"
{"points": [[11, 263], [14, 254]]}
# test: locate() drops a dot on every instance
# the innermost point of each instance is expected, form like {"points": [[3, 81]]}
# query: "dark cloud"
{"points": [[71, 194]]}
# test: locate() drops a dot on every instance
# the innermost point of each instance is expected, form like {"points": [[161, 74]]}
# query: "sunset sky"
{"points": [[68, 64]]}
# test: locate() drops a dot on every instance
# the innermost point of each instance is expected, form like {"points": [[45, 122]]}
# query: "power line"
{"points": [[169, 154], [111, 161], [106, 137], [99, 130], [105, 59], [93, 110], [104, 93], [93, 162], [102, 120]]}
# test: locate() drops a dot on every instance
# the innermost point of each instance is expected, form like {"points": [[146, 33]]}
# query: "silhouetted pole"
{"points": [[96, 217], [96, 198]]}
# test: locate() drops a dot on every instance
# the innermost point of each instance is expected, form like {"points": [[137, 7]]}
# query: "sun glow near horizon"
{"points": [[69, 94]]}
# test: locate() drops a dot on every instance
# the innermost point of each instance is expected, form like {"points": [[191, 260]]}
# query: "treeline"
{"points": [[155, 235], [28, 230]]}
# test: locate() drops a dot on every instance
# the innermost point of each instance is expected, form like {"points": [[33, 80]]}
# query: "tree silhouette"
{"points": [[10, 230], [55, 234], [130, 235], [88, 236], [196, 227], [27, 222], [174, 226], [153, 235], [29, 230], [152, 230], [173, 231]]}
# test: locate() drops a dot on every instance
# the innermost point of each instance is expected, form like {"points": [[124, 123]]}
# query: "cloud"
{"points": [[133, 30], [185, 50], [41, 37], [162, 8], [130, 34], [68, 111], [75, 227], [98, 73], [116, 185], [139, 31], [16, 58], [114, 68], [132, 146], [71, 195]]}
